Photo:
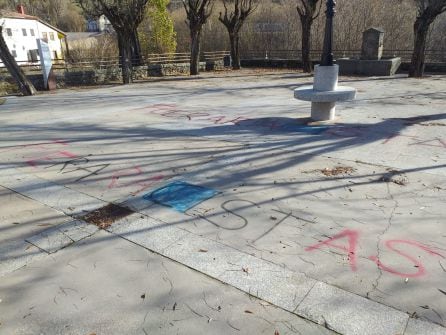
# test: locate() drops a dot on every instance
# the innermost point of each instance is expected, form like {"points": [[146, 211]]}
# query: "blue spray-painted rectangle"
{"points": [[180, 195]]}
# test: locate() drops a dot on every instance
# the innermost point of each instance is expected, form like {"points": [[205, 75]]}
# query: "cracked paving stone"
{"points": [[350, 314], [56, 238]]}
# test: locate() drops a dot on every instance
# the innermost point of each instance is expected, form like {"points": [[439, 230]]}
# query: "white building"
{"points": [[100, 24], [21, 32]]}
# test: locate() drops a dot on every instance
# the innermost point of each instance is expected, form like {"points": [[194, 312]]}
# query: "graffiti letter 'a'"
{"points": [[350, 248]]}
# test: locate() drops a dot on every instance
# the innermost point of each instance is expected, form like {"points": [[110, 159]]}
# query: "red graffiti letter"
{"points": [[351, 249], [417, 264]]}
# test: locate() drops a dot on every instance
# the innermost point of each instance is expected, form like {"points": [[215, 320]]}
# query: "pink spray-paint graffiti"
{"points": [[350, 249], [416, 263], [171, 111], [43, 151], [139, 185], [51, 156]]}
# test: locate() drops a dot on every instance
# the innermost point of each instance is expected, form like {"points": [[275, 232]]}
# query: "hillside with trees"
{"points": [[251, 27], [275, 25]]}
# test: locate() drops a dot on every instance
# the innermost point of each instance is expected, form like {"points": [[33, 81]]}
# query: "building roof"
{"points": [[76, 36], [15, 15]]}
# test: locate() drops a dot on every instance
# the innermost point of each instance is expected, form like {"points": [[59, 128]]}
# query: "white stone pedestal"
{"points": [[321, 111], [324, 93]]}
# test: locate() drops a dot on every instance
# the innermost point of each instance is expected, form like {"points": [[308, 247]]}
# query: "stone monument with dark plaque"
{"points": [[371, 62], [372, 44]]}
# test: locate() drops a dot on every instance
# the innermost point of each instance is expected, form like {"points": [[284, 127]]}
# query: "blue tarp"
{"points": [[180, 195]]}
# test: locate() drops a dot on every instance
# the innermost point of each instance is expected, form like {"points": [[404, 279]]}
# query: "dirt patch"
{"points": [[104, 217], [395, 177], [336, 171]]}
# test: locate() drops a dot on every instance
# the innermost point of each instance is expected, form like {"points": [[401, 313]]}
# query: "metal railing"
{"points": [[432, 56], [104, 63]]}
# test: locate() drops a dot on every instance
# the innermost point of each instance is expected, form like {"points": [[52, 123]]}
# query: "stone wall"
{"points": [[86, 77], [295, 64], [161, 70], [273, 63]]}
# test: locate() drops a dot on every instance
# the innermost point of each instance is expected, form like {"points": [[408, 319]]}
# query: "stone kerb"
{"points": [[324, 93]]}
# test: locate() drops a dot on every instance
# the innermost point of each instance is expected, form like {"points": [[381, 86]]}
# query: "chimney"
{"points": [[21, 9]]}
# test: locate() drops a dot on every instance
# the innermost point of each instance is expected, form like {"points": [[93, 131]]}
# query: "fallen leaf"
{"points": [[248, 311], [202, 250], [143, 296], [245, 270]]}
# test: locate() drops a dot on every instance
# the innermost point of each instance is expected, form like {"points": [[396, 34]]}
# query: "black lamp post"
{"points": [[327, 53]]}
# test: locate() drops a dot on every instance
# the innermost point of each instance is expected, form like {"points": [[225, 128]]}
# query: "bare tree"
{"points": [[25, 86], [197, 13], [125, 16], [428, 10], [234, 21], [308, 11]]}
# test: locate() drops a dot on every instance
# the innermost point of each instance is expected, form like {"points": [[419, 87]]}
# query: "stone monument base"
{"points": [[382, 67]]}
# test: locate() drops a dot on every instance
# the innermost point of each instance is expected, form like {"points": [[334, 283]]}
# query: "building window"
{"points": [[32, 56], [8, 31], [52, 36], [45, 37], [32, 32], [14, 53], [24, 32]]}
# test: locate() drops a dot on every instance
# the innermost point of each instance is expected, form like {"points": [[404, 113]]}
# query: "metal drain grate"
{"points": [[104, 217]]}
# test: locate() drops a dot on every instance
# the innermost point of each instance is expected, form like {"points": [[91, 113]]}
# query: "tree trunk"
{"points": [[195, 52], [306, 43], [136, 49], [235, 53], [125, 59], [25, 86], [421, 29]]}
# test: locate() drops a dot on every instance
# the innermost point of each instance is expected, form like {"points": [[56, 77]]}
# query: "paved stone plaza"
{"points": [[304, 228]]}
